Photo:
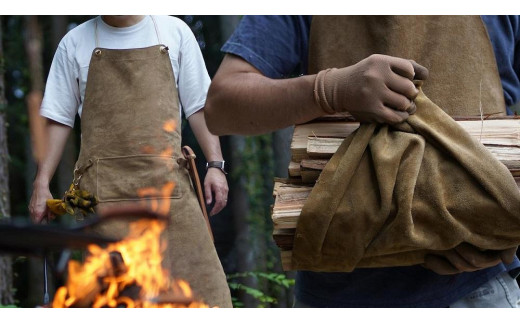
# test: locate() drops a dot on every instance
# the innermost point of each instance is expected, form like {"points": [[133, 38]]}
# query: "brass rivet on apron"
{"points": [[97, 52], [164, 49]]}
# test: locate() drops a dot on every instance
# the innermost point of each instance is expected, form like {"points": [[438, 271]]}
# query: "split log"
{"points": [[319, 129], [310, 169], [294, 169], [289, 201], [321, 140]]}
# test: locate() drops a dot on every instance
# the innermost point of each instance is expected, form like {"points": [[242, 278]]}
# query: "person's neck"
{"points": [[122, 21]]}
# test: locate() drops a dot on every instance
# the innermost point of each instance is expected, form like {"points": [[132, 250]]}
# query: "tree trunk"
{"points": [[241, 212], [239, 199], [34, 51], [6, 275]]}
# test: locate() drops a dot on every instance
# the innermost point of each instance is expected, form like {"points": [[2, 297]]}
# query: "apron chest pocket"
{"points": [[129, 178]]}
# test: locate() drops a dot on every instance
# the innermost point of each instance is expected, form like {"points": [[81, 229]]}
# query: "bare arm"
{"points": [[57, 135], [215, 183], [241, 100]]}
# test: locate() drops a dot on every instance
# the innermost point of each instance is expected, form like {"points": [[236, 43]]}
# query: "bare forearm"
{"points": [[246, 102], [215, 184], [57, 135], [208, 142], [379, 88], [56, 138]]}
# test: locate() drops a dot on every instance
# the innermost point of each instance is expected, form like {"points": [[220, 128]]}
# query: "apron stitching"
{"points": [[178, 195]]}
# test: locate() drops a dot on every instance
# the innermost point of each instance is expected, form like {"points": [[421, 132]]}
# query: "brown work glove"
{"points": [[75, 202], [377, 89]]}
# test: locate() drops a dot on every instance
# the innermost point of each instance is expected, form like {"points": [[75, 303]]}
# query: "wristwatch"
{"points": [[216, 164]]}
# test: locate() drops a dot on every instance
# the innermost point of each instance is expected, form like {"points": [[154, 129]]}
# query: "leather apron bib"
{"points": [[128, 144], [456, 50]]}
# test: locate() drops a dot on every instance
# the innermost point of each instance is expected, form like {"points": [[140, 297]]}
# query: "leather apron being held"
{"points": [[391, 194], [128, 143]]}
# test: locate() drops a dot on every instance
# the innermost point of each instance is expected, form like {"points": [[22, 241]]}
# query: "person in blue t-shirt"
{"points": [[256, 84]]}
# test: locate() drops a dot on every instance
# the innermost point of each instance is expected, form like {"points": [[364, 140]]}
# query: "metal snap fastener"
{"points": [[97, 52], [164, 49]]}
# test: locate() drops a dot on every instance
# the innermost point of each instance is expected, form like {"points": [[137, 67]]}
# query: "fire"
{"points": [[169, 126], [127, 273]]}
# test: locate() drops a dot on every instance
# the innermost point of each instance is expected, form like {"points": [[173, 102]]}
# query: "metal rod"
{"points": [[45, 282]]}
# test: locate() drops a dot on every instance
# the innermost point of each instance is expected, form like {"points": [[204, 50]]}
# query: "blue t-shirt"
{"points": [[278, 47]]}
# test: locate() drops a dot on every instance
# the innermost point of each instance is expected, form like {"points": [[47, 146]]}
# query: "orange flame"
{"points": [[127, 273], [169, 125]]}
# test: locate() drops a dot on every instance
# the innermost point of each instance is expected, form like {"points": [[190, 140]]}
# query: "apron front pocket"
{"points": [[137, 177]]}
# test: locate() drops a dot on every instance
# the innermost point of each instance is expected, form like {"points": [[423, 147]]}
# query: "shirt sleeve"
{"points": [[504, 33], [193, 77], [275, 45], [62, 98]]}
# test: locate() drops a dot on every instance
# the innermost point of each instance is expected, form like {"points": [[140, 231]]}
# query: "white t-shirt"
{"points": [[65, 88]]}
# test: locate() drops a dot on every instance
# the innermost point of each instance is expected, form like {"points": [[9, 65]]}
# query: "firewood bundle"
{"points": [[314, 143]]}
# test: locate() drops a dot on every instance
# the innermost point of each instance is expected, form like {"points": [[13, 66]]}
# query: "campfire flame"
{"points": [[111, 276], [128, 273]]}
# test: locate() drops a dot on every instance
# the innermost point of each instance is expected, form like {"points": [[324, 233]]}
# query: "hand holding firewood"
{"points": [[377, 89]]}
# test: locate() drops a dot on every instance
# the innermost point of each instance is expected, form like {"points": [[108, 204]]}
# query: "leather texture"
{"points": [[131, 135], [391, 194]]}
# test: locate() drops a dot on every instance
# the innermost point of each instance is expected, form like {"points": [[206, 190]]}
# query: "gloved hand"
{"points": [[376, 89]]}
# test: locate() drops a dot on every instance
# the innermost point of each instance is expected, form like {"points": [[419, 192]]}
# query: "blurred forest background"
{"points": [[242, 230]]}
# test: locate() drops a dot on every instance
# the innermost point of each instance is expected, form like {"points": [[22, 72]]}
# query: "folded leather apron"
{"points": [[128, 143], [383, 201]]}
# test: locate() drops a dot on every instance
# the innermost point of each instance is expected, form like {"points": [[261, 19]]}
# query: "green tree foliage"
{"points": [[273, 279]]}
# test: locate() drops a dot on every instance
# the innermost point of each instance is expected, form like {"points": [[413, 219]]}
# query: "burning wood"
{"points": [[127, 273]]}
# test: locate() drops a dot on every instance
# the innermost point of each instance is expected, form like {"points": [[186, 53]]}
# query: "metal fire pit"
{"points": [[22, 237]]}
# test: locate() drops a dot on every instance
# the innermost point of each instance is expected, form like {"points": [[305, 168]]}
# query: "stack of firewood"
{"points": [[314, 143]]}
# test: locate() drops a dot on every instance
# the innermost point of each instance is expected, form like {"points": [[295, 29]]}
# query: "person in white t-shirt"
{"points": [[128, 76]]}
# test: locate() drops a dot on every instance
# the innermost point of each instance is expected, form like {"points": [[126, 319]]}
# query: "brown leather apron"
{"points": [[455, 49], [128, 144]]}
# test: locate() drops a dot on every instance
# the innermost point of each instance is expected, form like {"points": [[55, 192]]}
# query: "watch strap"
{"points": [[216, 164]]}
